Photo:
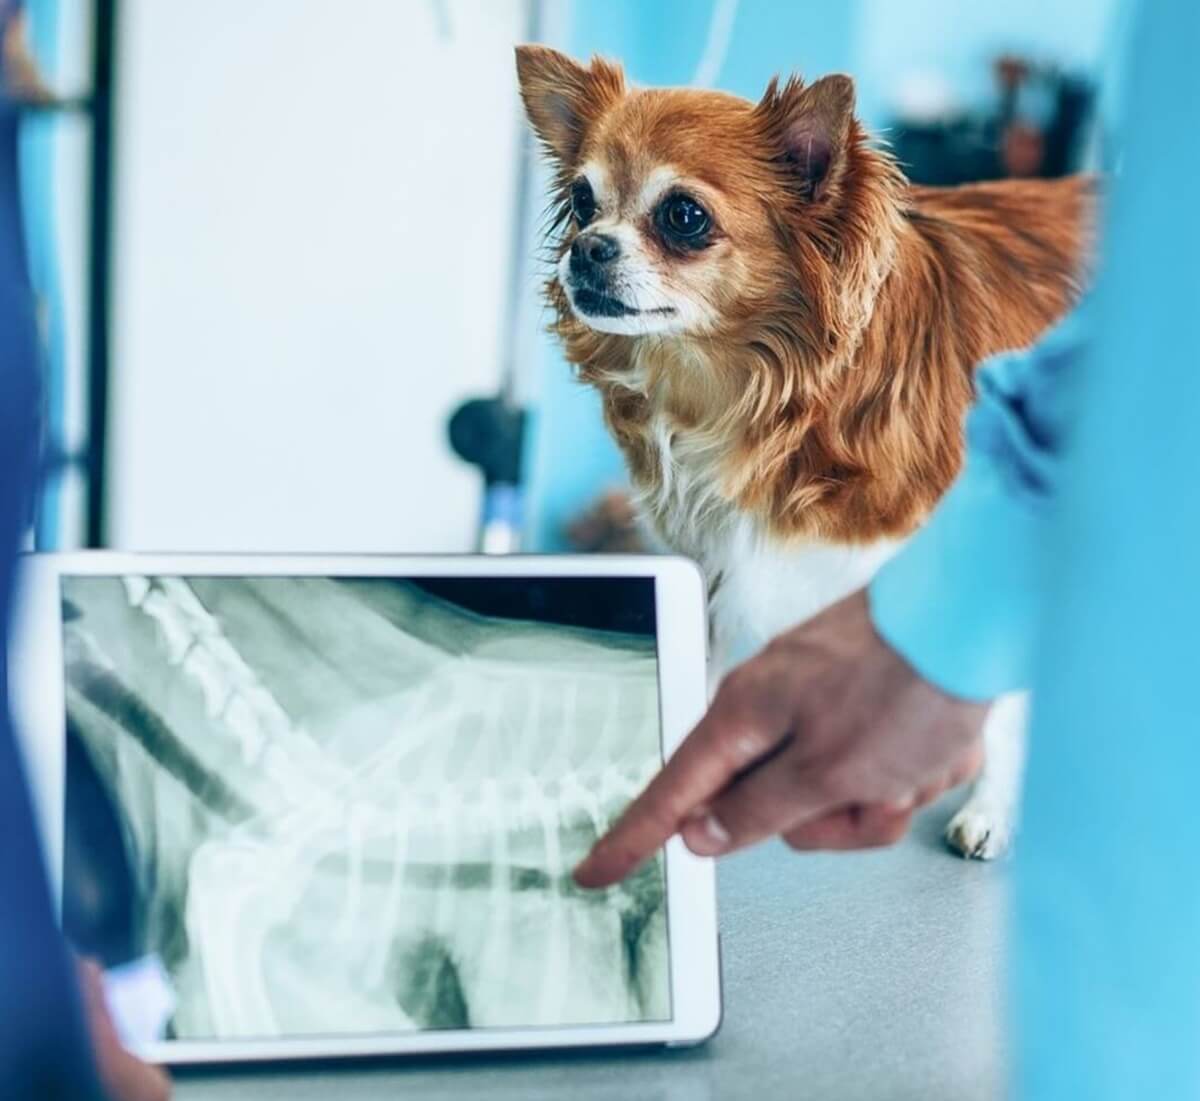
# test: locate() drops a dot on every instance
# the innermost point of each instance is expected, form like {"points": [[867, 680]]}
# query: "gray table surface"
{"points": [[871, 976]]}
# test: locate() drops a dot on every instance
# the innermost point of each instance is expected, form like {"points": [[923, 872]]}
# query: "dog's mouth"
{"points": [[598, 304]]}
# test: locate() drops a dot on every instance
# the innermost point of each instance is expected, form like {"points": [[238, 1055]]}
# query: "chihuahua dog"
{"points": [[783, 331]]}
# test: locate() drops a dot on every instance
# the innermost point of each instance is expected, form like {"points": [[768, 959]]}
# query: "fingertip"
{"points": [[583, 874], [595, 871]]}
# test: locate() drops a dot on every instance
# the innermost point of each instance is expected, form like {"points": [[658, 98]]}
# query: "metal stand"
{"points": [[100, 267]]}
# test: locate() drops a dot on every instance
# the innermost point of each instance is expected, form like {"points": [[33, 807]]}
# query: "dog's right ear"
{"points": [[563, 98], [813, 125]]}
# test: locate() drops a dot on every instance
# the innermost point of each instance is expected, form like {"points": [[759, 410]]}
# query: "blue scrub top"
{"points": [[1067, 558], [44, 1052]]}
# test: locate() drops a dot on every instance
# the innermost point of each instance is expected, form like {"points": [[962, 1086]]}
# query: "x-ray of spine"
{"points": [[350, 806]]}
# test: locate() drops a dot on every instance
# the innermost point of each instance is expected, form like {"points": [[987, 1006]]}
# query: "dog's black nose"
{"points": [[594, 249]]}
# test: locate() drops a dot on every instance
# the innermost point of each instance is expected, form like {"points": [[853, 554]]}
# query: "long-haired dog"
{"points": [[783, 330]]}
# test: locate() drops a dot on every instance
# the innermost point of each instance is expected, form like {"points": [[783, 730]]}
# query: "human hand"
{"points": [[123, 1076], [827, 737]]}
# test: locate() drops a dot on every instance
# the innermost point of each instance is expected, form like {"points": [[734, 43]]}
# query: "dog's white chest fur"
{"points": [[766, 587], [760, 585]]}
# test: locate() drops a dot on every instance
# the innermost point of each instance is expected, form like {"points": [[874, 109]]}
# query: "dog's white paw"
{"points": [[980, 832]]}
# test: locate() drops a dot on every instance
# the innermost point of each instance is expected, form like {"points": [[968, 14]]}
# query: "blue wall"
{"points": [[957, 39]]}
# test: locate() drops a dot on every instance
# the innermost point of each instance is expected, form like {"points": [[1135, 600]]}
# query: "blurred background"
{"points": [[285, 253]]}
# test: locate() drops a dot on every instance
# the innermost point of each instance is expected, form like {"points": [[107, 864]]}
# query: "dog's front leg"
{"points": [[985, 826]]}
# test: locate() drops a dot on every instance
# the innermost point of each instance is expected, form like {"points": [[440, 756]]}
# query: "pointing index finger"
{"points": [[730, 737]]}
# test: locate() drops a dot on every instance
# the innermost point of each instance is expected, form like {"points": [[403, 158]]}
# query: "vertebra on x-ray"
{"points": [[349, 805]]}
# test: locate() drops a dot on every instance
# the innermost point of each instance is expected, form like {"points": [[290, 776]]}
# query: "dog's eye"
{"points": [[685, 217], [583, 202]]}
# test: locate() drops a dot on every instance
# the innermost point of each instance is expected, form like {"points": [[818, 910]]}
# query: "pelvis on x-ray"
{"points": [[350, 806]]}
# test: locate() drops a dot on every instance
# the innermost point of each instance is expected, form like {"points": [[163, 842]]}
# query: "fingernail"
{"points": [[705, 836]]}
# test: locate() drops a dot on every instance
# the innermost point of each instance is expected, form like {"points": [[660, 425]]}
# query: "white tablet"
{"points": [[305, 806]]}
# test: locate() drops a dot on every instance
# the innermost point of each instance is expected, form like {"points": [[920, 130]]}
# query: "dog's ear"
{"points": [[563, 98], [811, 126]]}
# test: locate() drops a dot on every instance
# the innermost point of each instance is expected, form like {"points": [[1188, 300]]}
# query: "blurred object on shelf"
{"points": [[442, 19], [608, 526], [63, 148], [489, 433], [22, 81], [1036, 126], [1023, 150]]}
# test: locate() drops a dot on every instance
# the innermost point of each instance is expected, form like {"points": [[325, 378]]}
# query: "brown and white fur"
{"points": [[789, 385]]}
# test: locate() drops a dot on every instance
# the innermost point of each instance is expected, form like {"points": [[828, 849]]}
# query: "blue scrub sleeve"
{"points": [[960, 601]]}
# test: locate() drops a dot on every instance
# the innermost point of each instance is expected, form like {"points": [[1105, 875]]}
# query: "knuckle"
{"points": [[762, 679], [740, 745], [795, 841], [736, 682], [831, 783], [887, 832], [776, 649], [776, 685]]}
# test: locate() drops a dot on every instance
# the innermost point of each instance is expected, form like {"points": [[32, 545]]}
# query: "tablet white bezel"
{"points": [[37, 696]]}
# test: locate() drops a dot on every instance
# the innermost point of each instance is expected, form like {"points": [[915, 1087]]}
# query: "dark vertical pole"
{"points": [[100, 265]]}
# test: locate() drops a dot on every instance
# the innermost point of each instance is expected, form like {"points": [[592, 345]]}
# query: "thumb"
{"points": [[123, 1076]]}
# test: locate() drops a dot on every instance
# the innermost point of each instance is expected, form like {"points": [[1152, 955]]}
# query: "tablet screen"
{"points": [[324, 805]]}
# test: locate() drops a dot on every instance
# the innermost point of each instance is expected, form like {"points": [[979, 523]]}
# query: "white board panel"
{"points": [[313, 226]]}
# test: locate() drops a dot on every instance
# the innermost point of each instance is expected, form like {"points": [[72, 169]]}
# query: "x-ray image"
{"points": [[352, 805]]}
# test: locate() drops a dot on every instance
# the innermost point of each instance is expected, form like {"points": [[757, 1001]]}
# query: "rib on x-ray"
{"points": [[351, 806]]}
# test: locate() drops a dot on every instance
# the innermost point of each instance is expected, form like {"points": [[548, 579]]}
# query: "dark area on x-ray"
{"points": [[602, 603], [242, 802]]}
